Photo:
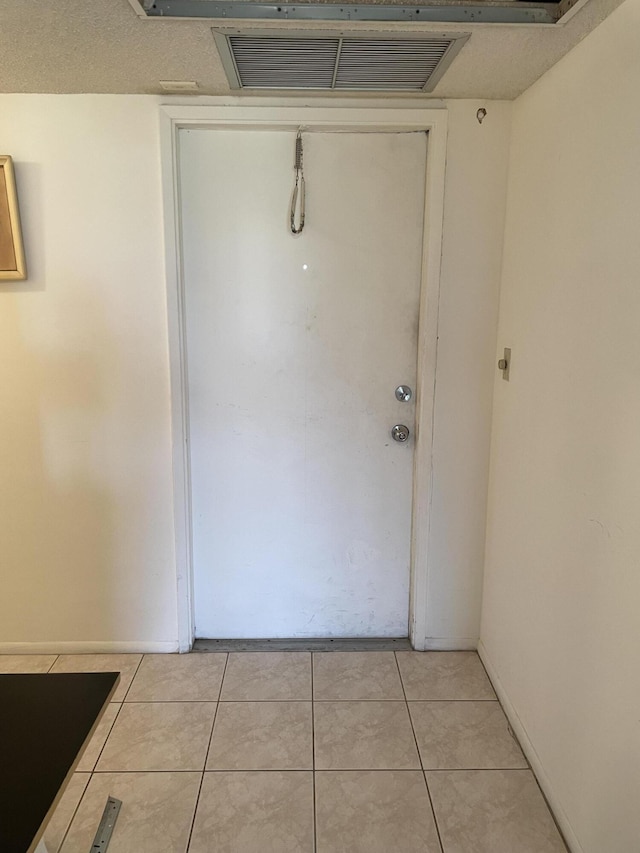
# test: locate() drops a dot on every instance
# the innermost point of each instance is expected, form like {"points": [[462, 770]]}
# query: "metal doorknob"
{"points": [[400, 432], [403, 393]]}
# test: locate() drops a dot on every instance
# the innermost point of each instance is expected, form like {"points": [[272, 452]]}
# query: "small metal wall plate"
{"points": [[504, 364]]}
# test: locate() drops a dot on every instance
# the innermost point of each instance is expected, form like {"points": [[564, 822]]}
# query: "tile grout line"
{"points": [[509, 727], [155, 770], [95, 764], [307, 770], [206, 757], [424, 775], [126, 692], [173, 702], [475, 769], [313, 760], [73, 816], [102, 748], [299, 701], [433, 810], [117, 714]]}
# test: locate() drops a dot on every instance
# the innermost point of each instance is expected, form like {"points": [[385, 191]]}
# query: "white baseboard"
{"points": [[450, 644], [74, 647], [531, 754]]}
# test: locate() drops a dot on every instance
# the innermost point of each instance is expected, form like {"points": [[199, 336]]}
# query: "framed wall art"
{"points": [[12, 262]]}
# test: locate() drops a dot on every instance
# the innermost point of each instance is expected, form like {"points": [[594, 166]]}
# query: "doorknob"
{"points": [[400, 432], [403, 393]]}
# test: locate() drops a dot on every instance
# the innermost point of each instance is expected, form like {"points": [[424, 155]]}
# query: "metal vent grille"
{"points": [[389, 64], [285, 63], [336, 61]]}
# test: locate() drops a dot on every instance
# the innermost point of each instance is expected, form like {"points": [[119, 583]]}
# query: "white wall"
{"points": [[86, 528], [561, 616], [86, 542]]}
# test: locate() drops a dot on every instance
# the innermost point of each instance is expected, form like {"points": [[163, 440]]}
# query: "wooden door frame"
{"points": [[347, 116]]}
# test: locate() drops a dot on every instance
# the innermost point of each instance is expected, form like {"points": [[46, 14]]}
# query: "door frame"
{"points": [[346, 116]]}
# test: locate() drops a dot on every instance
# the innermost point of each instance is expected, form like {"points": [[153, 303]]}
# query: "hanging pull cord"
{"points": [[298, 189]]}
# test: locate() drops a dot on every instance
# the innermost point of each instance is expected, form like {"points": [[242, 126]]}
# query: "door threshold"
{"points": [[398, 644]]}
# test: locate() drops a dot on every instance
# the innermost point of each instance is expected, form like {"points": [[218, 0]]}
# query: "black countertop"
{"points": [[45, 720]]}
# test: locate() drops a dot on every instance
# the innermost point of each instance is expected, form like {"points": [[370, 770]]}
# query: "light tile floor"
{"points": [[293, 752]]}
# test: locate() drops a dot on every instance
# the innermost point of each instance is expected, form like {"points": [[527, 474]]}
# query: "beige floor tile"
{"points": [[178, 678], [94, 747], [374, 812], [126, 665], [25, 663], [356, 675], [464, 735], [159, 736], [364, 736], [156, 814], [65, 810], [267, 676], [262, 736], [263, 812], [444, 675], [492, 811]]}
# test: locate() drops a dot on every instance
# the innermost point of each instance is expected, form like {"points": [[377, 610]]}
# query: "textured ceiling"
{"points": [[66, 46]]}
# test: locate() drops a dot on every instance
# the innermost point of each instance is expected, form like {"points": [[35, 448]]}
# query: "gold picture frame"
{"points": [[12, 262]]}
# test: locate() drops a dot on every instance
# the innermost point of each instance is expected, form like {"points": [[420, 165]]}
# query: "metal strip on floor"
{"points": [[107, 823], [399, 644]]}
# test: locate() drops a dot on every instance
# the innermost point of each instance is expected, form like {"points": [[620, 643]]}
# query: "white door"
{"points": [[301, 499]]}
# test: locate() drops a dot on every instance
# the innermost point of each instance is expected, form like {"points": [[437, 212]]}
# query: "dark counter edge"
{"points": [[41, 830]]}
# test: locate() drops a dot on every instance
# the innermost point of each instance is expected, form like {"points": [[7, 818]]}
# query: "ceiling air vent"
{"points": [[347, 62]]}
